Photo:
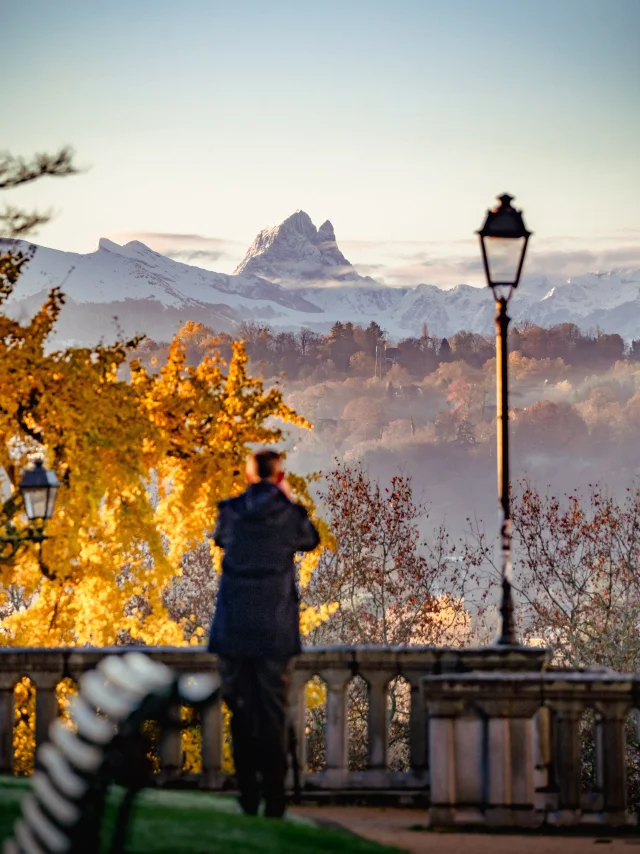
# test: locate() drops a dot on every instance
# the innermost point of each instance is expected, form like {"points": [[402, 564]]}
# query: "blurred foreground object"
{"points": [[104, 745]]}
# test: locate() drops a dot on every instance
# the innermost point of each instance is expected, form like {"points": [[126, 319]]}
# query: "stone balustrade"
{"points": [[494, 735], [336, 666]]}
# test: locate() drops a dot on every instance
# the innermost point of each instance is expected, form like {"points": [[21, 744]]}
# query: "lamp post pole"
{"points": [[503, 240], [507, 629]]}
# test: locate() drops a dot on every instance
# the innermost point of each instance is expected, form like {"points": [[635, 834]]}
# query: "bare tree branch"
{"points": [[16, 171], [18, 223]]}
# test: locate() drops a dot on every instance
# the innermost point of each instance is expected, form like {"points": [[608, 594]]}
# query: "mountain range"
{"points": [[293, 276]]}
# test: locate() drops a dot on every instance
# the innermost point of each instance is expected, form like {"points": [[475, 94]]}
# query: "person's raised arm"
{"points": [[307, 536], [219, 535]]}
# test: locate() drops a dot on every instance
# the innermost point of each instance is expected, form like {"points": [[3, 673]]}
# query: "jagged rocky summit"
{"points": [[295, 253]]}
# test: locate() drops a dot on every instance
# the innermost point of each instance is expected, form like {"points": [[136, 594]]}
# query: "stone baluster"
{"points": [[593, 802], [212, 745], [298, 720], [7, 717], [46, 704], [612, 763], [567, 760], [418, 729], [377, 721], [336, 732], [545, 788], [170, 751]]}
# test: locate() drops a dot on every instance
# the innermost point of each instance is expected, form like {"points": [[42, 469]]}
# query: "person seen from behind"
{"points": [[256, 626]]}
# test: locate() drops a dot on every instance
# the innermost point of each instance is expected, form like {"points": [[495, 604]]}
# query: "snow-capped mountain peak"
{"points": [[108, 245], [329, 247], [296, 253], [134, 249]]}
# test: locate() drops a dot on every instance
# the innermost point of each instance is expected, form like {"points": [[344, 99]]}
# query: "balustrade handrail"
{"points": [[438, 659]]}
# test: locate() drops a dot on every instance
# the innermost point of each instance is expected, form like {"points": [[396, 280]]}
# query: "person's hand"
{"points": [[285, 487]]}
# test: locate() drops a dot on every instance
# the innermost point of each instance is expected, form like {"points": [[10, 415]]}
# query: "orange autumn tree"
{"points": [[142, 463]]}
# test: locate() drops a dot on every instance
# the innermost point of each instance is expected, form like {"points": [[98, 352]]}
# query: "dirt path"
{"points": [[391, 826]]}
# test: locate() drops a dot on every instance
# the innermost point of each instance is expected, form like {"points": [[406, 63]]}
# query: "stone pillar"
{"points": [[469, 739], [510, 771], [298, 720], [46, 705], [212, 747], [418, 730], [510, 703], [567, 761], [377, 724], [545, 789], [456, 761], [441, 767], [170, 751], [612, 763], [481, 748], [336, 733], [456, 753]]}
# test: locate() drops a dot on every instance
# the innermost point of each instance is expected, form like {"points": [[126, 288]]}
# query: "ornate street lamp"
{"points": [[504, 239], [39, 489]]}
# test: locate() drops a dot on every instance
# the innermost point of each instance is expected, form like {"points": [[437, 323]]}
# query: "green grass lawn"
{"points": [[178, 822]]}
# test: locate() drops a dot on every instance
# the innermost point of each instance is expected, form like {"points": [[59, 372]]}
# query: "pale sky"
{"points": [[202, 122]]}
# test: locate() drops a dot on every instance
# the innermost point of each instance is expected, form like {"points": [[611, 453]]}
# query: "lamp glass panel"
{"points": [[51, 501], [503, 258], [35, 502]]}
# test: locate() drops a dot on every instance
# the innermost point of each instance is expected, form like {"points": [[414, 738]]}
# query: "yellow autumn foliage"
{"points": [[143, 462], [143, 459], [24, 726]]}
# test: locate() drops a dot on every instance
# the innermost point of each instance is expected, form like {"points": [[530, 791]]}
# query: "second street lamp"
{"points": [[39, 489], [504, 239]]}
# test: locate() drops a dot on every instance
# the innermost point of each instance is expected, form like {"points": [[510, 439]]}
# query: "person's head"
{"points": [[265, 465]]}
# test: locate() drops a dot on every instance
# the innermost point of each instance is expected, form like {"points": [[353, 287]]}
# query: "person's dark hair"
{"points": [[267, 464]]}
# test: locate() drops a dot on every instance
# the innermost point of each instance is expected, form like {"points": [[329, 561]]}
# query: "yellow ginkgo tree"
{"points": [[143, 458]]}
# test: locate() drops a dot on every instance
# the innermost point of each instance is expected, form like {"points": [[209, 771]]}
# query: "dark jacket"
{"points": [[257, 612]]}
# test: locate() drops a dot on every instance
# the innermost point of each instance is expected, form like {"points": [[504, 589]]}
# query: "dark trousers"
{"points": [[256, 690]]}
